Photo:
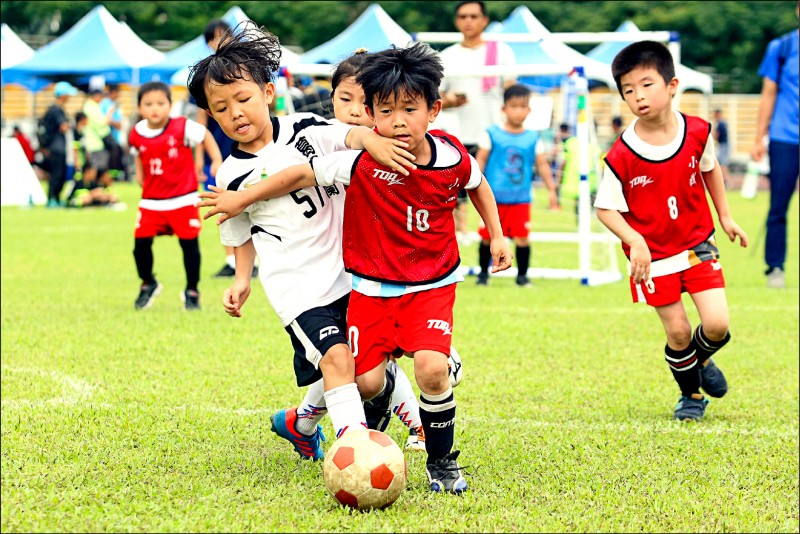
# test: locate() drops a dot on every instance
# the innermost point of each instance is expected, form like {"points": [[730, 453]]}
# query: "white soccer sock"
{"points": [[404, 402], [345, 409], [231, 260], [312, 409]]}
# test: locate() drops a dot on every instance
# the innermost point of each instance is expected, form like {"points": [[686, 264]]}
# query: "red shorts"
{"points": [[515, 219], [415, 321], [667, 289], [183, 222]]}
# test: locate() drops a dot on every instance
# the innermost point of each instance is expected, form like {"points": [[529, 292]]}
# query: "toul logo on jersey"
{"points": [[641, 180], [438, 324], [386, 176]]}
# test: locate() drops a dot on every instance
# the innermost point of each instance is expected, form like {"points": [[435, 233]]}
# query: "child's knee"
{"points": [[338, 360], [715, 330], [430, 371]]}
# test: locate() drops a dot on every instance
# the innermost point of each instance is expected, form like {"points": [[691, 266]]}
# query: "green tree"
{"points": [[728, 36]]}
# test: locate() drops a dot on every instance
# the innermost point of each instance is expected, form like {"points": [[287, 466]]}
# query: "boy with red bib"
{"points": [[653, 197], [399, 239], [167, 168]]}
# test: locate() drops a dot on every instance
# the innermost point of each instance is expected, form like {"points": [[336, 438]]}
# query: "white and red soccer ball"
{"points": [[365, 469]]}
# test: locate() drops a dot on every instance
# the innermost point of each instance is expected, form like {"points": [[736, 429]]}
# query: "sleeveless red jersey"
{"points": [[666, 199], [400, 229], [167, 163]]}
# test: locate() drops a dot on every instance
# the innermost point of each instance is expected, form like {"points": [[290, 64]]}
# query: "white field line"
{"points": [[75, 390], [783, 431]]}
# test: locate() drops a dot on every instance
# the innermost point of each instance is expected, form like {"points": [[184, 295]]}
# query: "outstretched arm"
{"points": [[483, 200], [231, 203]]}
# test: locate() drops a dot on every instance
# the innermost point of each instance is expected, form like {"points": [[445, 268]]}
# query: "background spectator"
{"points": [[53, 142]]}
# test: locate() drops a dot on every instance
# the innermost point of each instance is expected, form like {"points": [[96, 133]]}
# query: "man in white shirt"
{"points": [[471, 104]]}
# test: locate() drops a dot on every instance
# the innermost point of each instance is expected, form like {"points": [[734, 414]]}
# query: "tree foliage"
{"points": [[727, 36]]}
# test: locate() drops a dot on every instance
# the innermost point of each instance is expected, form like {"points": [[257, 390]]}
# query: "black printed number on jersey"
{"points": [[301, 197]]}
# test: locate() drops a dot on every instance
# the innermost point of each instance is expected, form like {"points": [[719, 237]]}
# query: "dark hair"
{"points": [[564, 127], [251, 53], [213, 27], [616, 121], [415, 70], [481, 4], [348, 67], [79, 116], [112, 87], [643, 54], [149, 87], [515, 91]]}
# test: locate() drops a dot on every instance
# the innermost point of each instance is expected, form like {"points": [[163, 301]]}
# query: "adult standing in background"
{"points": [[720, 133], [96, 132], [473, 103], [110, 107], [778, 116], [53, 142]]}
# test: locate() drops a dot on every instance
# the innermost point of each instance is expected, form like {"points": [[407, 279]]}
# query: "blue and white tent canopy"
{"points": [[688, 78], [14, 51], [97, 44], [374, 30], [175, 67], [547, 50]]}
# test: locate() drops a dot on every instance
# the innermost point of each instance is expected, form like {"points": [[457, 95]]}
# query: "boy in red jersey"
{"points": [[399, 239], [167, 168], [653, 197]]}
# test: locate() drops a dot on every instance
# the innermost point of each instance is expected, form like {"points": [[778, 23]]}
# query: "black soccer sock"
{"points": [[705, 347], [484, 258], [378, 409], [438, 415], [191, 262], [685, 368], [523, 260], [143, 255]]}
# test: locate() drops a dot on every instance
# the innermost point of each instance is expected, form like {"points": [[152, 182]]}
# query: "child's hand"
{"points": [[554, 205], [501, 254], [732, 229], [390, 152], [640, 261], [214, 167], [225, 203], [235, 297]]}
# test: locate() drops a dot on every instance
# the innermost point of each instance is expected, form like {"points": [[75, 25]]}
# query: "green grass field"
{"points": [[116, 420]]}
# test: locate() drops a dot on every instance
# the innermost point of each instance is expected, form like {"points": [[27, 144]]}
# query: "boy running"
{"points": [[303, 275], [653, 197], [399, 239]]}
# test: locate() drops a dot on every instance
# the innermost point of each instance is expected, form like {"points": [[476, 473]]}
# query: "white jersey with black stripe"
{"points": [[298, 237]]}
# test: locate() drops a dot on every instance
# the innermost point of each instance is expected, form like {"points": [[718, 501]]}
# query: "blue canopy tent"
{"points": [[689, 79], [97, 44], [547, 50], [374, 30], [175, 66]]}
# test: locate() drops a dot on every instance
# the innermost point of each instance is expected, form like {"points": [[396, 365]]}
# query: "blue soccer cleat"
{"points": [[689, 409], [712, 380], [308, 447]]}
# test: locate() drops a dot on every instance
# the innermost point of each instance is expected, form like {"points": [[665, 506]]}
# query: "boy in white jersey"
{"points": [[653, 197], [399, 239], [304, 278]]}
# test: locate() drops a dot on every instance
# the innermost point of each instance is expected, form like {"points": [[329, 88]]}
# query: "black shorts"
{"points": [[462, 193], [313, 333]]}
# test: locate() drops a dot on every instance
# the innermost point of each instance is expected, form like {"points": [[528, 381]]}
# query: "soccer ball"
{"points": [[455, 371], [365, 469]]}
